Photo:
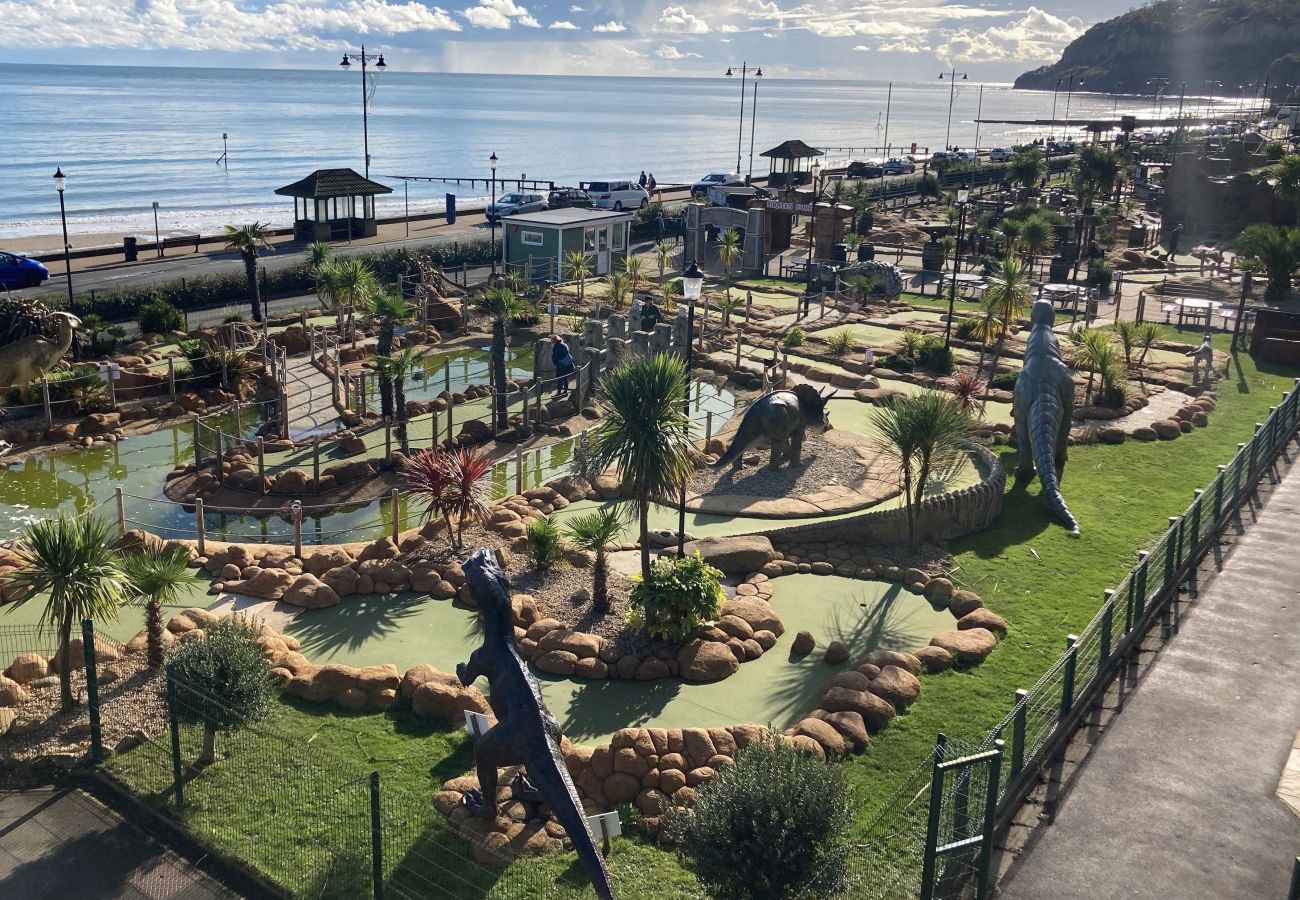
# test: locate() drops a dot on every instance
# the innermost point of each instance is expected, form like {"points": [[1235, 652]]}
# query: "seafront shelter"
{"points": [[790, 161], [334, 204], [535, 244]]}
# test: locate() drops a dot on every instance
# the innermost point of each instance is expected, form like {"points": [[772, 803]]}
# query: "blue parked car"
{"points": [[20, 272]]}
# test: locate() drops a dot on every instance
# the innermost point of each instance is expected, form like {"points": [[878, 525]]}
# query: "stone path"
{"points": [[59, 843], [311, 401], [1174, 794]]}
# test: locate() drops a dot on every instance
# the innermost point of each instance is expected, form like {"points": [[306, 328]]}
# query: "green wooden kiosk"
{"points": [[535, 244]]}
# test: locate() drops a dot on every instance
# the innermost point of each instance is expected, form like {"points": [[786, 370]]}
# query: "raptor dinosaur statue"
{"points": [[779, 419], [1203, 354], [525, 733], [1042, 404]]}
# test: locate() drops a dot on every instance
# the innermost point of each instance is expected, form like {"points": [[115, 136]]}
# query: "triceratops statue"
{"points": [[779, 419]]}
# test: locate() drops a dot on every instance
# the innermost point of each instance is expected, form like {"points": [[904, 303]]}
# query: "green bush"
{"points": [[841, 342], [899, 362], [795, 337], [968, 327], [1004, 381], [935, 356], [772, 826], [160, 317], [544, 547], [680, 595], [81, 384]]}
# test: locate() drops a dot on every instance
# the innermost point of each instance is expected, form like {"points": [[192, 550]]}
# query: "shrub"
{"points": [[81, 384], [544, 548], [233, 317], [899, 362], [224, 681], [771, 826], [968, 328], [160, 317], [795, 337], [1004, 381], [935, 356], [909, 342], [678, 597], [841, 342]]}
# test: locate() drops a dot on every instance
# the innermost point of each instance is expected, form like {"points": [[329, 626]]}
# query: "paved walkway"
{"points": [[60, 843], [1175, 796], [311, 401]]}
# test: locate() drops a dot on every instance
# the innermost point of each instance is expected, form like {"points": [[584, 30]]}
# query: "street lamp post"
{"points": [[753, 120], [1069, 93], [157, 239], [1159, 84], [816, 170], [952, 93], [740, 134], [366, 59], [963, 195], [492, 162], [692, 284], [60, 183]]}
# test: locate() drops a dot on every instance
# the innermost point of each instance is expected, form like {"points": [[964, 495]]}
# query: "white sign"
{"points": [[476, 723], [110, 370], [787, 206], [604, 826]]}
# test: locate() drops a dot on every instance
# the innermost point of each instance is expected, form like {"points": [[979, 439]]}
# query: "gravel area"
{"points": [[822, 463]]}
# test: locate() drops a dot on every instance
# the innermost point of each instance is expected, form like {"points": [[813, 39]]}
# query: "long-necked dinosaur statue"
{"points": [[1042, 405], [525, 733], [33, 339]]}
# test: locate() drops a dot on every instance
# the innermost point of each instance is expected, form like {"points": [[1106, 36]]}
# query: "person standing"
{"points": [[642, 180], [563, 362], [1175, 235], [651, 183]]}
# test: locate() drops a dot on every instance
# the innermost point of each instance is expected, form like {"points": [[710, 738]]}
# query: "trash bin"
{"points": [[840, 253], [866, 252], [131, 248], [1059, 271]]}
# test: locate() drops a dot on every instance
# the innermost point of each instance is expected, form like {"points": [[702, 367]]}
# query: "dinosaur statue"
{"points": [[779, 419], [1042, 404], [30, 357], [526, 733], [1203, 354]]}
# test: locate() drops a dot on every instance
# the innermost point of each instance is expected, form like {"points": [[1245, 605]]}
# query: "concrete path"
{"points": [[60, 843], [1174, 795], [311, 401]]}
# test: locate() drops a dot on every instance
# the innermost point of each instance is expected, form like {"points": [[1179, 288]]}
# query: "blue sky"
{"points": [[896, 39]]}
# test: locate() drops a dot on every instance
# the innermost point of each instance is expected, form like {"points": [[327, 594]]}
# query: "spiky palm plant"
{"points": [[619, 286], [1026, 168], [1093, 350], [578, 264], [664, 251], [501, 305], [645, 434], [348, 284], [1126, 333], [393, 370], [390, 310], [633, 268], [909, 342], [729, 253], [1148, 335], [1287, 186], [841, 342], [158, 577], [1037, 237], [1276, 251], [248, 240], [72, 565], [594, 532], [1006, 298], [965, 389], [318, 254]]}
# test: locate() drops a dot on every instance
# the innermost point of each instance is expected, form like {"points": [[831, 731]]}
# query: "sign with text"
{"points": [[789, 206]]}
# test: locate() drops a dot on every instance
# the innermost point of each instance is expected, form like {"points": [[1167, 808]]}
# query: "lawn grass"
{"points": [[300, 813]]}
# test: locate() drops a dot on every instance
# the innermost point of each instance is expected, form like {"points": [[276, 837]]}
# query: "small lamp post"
{"points": [[692, 285], [60, 184], [492, 163], [365, 59], [963, 196]]}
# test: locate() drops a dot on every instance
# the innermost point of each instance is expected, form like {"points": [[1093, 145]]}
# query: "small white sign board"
{"points": [[475, 723], [110, 370], [604, 826]]}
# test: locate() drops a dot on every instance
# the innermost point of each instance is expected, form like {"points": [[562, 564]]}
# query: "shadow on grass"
{"points": [[350, 625], [601, 708]]}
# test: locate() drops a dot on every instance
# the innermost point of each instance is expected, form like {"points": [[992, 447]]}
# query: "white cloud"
{"points": [[677, 19], [668, 51], [576, 8], [1037, 35], [563, 26], [499, 14], [902, 46], [610, 27], [861, 48]]}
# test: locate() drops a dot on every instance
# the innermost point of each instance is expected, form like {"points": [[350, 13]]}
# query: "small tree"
{"points": [[1287, 186], [158, 576], [1005, 298], [1148, 335], [1127, 332], [501, 305], [729, 253], [391, 310], [394, 370], [1275, 251], [451, 484], [773, 826], [543, 545], [619, 286], [633, 269], [71, 564], [679, 596], [248, 240], [1037, 237], [594, 532], [665, 250], [579, 265], [1026, 167], [224, 679]]}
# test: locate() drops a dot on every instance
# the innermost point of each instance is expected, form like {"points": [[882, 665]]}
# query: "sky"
{"points": [[866, 39]]}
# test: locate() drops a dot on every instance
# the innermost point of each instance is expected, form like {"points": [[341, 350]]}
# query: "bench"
{"points": [[179, 240]]}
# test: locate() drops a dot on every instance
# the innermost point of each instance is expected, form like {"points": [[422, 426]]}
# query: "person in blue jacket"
{"points": [[564, 366]]}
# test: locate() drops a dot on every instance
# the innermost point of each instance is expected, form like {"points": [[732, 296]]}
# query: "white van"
{"points": [[617, 195]]}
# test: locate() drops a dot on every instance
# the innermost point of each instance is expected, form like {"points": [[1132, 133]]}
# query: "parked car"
{"points": [[515, 203], [1000, 154], [938, 155], [966, 157], [617, 194], [564, 198], [21, 271], [899, 166], [872, 168], [701, 187]]}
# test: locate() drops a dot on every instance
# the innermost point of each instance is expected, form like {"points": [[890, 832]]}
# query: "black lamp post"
{"points": [[740, 136], [1069, 94], [60, 183], [365, 59], [492, 219], [952, 94], [692, 284], [963, 195]]}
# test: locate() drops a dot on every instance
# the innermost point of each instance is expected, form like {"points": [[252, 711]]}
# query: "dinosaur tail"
{"points": [[552, 778], [1044, 418]]}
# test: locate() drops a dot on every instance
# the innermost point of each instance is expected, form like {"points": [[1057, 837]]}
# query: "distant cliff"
{"points": [[1236, 42]]}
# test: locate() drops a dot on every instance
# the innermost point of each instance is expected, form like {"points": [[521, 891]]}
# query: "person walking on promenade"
{"points": [[651, 183], [650, 314], [642, 180], [564, 365]]}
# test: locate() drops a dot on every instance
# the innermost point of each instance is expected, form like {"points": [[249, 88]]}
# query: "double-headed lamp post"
{"points": [[963, 195], [365, 59], [492, 221], [740, 136], [816, 171], [952, 95], [692, 285], [60, 184]]}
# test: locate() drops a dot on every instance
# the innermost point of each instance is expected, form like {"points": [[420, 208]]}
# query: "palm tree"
{"points": [[928, 189], [594, 532], [1287, 173], [390, 310], [1096, 170], [645, 434], [632, 266], [1127, 333], [618, 288], [158, 576], [71, 562], [1148, 335], [319, 254], [665, 250], [348, 283], [1092, 350], [393, 371], [248, 239], [1026, 168], [668, 294], [1276, 251], [579, 266], [921, 433], [1005, 299], [1037, 237], [729, 253], [501, 305]]}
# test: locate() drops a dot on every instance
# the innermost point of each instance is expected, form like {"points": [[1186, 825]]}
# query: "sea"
{"points": [[128, 137]]}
